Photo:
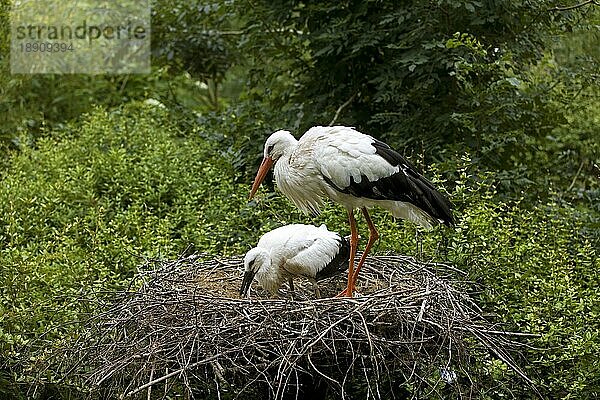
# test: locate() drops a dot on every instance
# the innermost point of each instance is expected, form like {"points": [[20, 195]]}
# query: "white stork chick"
{"points": [[355, 170], [295, 251]]}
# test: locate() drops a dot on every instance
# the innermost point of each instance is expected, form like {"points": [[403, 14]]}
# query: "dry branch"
{"points": [[574, 6], [185, 330]]}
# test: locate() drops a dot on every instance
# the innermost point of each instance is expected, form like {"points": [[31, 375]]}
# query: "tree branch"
{"points": [[576, 176], [567, 8], [340, 108]]}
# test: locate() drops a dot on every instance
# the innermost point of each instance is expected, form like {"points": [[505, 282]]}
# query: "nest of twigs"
{"points": [[184, 330]]}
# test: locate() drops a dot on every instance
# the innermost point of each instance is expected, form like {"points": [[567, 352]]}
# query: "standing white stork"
{"points": [[355, 170], [295, 250]]}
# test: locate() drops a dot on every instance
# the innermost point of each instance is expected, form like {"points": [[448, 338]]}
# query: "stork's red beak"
{"points": [[265, 166]]}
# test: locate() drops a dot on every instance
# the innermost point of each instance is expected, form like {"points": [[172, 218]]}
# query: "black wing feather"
{"points": [[406, 185]]}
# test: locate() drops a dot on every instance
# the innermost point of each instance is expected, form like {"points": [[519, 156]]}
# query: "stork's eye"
{"points": [[269, 149]]}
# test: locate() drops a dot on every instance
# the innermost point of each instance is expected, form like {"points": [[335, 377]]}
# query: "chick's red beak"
{"points": [[265, 166]]}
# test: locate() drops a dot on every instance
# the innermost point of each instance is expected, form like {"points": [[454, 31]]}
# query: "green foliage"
{"points": [[408, 67], [536, 272], [186, 40], [195, 35], [78, 212]]}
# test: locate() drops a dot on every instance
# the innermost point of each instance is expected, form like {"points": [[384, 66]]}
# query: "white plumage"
{"points": [[293, 251], [355, 170]]}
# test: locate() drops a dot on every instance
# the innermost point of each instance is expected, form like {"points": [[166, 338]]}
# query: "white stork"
{"points": [[355, 170], [295, 250]]}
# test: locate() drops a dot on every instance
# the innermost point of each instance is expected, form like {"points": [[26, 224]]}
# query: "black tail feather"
{"points": [[410, 186], [431, 200]]}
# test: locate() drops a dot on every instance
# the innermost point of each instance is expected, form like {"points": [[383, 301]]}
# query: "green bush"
{"points": [[78, 211], [535, 267]]}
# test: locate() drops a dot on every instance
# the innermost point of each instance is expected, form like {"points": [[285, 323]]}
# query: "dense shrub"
{"points": [[535, 266], [79, 210]]}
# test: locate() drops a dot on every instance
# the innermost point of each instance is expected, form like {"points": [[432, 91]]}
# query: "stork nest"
{"points": [[411, 332]]}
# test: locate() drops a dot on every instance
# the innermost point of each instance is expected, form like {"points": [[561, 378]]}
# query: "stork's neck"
{"points": [[298, 177], [269, 275]]}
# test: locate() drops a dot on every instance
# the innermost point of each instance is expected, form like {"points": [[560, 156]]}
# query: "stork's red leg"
{"points": [[353, 245], [373, 236]]}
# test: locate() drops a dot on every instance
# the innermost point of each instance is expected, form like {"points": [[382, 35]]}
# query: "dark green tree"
{"points": [[418, 73]]}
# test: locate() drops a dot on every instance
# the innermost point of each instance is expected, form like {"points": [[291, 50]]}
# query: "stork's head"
{"points": [[277, 143], [275, 147], [254, 260]]}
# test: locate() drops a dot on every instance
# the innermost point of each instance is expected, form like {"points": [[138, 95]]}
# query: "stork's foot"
{"points": [[347, 293]]}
